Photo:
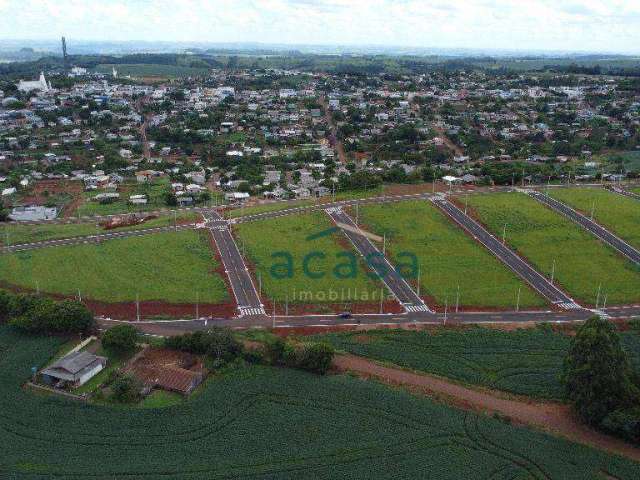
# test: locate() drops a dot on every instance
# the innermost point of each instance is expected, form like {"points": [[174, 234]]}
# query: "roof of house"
{"points": [[74, 363]]}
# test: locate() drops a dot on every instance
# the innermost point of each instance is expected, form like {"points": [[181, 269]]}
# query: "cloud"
{"points": [[606, 25]]}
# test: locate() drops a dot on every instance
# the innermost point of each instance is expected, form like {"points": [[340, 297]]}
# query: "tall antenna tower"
{"points": [[65, 57]]}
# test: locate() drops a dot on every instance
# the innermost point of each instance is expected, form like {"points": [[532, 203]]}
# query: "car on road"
{"points": [[345, 315]]}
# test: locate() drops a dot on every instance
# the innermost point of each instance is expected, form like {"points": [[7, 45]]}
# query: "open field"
{"points": [[17, 233], [288, 236], [271, 423], [524, 362], [582, 263], [154, 192], [617, 213], [447, 257], [172, 267]]}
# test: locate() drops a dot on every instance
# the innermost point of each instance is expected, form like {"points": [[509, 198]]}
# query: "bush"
{"points": [[121, 338], [597, 374], [219, 343], [125, 389], [274, 350], [624, 424], [312, 357], [42, 315]]}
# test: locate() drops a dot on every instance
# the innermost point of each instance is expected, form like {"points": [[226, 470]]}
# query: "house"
{"points": [[35, 213], [138, 199], [75, 369], [236, 196]]}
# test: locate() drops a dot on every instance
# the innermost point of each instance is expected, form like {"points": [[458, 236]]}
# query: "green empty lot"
{"points": [[448, 258], [617, 213], [254, 422], [21, 233], [268, 243], [524, 362], [172, 267], [582, 263]]}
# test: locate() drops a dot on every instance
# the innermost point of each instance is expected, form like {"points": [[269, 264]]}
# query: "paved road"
{"points": [[178, 327], [247, 297], [397, 285], [95, 238], [507, 256], [624, 192], [585, 222]]}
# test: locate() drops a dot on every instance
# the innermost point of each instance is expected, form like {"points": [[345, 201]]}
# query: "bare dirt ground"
{"points": [[554, 418]]}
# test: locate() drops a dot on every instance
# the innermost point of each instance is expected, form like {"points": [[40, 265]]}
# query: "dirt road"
{"points": [[554, 418]]}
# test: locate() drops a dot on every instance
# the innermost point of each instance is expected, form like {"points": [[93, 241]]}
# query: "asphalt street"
{"points": [[396, 284], [507, 256], [585, 222], [247, 297]]}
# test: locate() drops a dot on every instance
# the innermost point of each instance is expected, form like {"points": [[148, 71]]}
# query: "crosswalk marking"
{"points": [[416, 308], [569, 306], [251, 311]]}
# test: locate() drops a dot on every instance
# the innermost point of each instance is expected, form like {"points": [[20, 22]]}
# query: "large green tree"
{"points": [[597, 374]]}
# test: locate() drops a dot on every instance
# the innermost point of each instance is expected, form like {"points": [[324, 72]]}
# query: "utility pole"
{"points": [[137, 307], [175, 219], [259, 284], [598, 296], [593, 210], [604, 305], [286, 305], [457, 298], [357, 213], [79, 296], [518, 299], [384, 243], [381, 299], [446, 308], [418, 289], [466, 203], [553, 271], [274, 315], [197, 306], [504, 234]]}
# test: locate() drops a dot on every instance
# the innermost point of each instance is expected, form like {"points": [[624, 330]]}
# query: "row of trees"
{"points": [[40, 315], [221, 345]]}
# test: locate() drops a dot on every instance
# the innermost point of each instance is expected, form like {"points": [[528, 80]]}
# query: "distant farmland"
{"points": [[582, 263]]}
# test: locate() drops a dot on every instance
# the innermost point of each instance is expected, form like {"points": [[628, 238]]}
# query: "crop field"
{"points": [[268, 242], [447, 257], [172, 267], [524, 362], [617, 213], [21, 233], [582, 262], [271, 423]]}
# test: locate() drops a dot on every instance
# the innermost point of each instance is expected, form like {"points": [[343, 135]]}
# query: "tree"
{"points": [[121, 338], [4, 214], [125, 389], [597, 374]]}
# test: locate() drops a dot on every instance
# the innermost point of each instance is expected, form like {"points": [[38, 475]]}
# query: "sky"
{"points": [[555, 25]]}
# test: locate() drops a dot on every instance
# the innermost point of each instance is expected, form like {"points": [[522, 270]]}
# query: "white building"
{"points": [[32, 85]]}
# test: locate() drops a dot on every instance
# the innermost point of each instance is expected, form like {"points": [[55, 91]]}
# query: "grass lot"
{"points": [[267, 207], [447, 257], [283, 205], [524, 362], [154, 192], [161, 399], [620, 214], [19, 233], [289, 234], [272, 423], [171, 267], [636, 190], [542, 236]]}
